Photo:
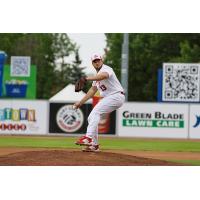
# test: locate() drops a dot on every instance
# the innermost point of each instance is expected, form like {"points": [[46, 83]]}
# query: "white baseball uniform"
{"points": [[113, 94]]}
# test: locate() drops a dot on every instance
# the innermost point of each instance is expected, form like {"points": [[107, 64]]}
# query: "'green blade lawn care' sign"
{"points": [[165, 120], [154, 120]]}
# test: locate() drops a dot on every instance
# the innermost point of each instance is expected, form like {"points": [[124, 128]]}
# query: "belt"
{"points": [[119, 92]]}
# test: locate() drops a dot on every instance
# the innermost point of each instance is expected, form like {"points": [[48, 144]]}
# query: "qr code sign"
{"points": [[181, 82], [20, 66]]}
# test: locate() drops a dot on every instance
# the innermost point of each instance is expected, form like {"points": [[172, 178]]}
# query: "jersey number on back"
{"points": [[103, 87]]}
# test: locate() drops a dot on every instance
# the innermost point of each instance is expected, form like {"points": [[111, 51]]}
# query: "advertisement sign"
{"points": [[181, 82], [1, 78], [19, 86], [3, 56], [23, 117], [64, 119], [159, 120], [194, 121]]}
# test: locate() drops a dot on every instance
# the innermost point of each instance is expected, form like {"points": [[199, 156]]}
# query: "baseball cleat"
{"points": [[92, 148], [84, 141]]}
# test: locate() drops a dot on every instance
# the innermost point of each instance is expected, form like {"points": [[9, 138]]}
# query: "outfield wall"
{"points": [[150, 120]]}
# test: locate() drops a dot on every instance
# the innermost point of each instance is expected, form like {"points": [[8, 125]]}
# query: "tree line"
{"points": [[147, 52], [50, 53]]}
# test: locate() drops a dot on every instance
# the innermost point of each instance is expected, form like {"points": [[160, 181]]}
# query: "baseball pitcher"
{"points": [[113, 97]]}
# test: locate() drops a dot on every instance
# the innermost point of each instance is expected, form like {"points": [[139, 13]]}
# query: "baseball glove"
{"points": [[80, 84]]}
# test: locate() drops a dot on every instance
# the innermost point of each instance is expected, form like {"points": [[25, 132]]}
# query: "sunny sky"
{"points": [[89, 44]]}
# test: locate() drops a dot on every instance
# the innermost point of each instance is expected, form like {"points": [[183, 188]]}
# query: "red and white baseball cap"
{"points": [[96, 57]]}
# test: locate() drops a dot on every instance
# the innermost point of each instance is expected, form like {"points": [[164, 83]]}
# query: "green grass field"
{"points": [[107, 143]]}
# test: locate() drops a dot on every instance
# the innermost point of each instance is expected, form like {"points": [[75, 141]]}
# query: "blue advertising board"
{"points": [[2, 60]]}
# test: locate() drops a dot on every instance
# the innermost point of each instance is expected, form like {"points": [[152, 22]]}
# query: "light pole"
{"points": [[124, 64]]}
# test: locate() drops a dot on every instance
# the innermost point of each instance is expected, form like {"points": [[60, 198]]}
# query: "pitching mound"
{"points": [[76, 158]]}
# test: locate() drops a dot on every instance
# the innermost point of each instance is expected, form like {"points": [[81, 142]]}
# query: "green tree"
{"points": [[38, 47], [49, 52], [63, 48], [76, 69], [188, 53], [147, 52], [7, 41]]}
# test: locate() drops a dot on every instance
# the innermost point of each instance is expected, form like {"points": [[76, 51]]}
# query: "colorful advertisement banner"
{"points": [[15, 85], [2, 60], [23, 117], [1, 79]]}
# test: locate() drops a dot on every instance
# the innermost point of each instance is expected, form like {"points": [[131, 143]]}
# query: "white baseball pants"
{"points": [[106, 105]]}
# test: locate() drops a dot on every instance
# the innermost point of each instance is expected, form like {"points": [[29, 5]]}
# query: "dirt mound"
{"points": [[77, 158]]}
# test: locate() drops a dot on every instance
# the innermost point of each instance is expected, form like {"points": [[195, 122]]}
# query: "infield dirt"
{"points": [[73, 157]]}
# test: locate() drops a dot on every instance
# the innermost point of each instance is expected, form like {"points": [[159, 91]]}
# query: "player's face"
{"points": [[97, 63]]}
